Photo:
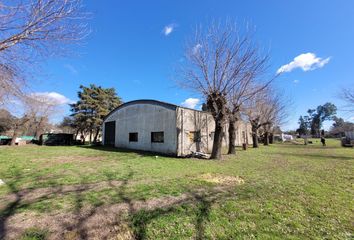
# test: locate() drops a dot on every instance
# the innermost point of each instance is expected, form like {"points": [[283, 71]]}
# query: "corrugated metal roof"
{"points": [[149, 101]]}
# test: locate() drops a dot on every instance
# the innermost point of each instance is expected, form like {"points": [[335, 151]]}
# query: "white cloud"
{"points": [[54, 97], [167, 30], [296, 81], [71, 69], [196, 48], [305, 61], [190, 103]]}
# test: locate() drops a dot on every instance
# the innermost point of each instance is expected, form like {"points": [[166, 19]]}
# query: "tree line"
{"points": [[227, 67], [311, 124], [224, 64]]}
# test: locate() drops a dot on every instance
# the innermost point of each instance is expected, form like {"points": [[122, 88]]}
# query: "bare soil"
{"points": [[104, 222]]}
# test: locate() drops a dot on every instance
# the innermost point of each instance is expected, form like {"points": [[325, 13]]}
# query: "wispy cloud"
{"points": [[190, 103], [71, 69], [53, 97], [305, 61], [168, 29], [296, 81]]}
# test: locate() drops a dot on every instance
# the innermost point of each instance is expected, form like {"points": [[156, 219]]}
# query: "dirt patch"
{"points": [[32, 195], [221, 179], [104, 222]]}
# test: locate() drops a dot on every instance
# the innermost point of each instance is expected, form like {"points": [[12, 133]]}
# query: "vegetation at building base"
{"points": [[289, 191]]}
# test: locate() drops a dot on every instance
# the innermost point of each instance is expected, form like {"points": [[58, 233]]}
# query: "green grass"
{"points": [[290, 191]]}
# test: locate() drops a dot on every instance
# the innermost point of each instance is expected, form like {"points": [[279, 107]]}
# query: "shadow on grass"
{"points": [[138, 218], [321, 156], [9, 210], [124, 150]]}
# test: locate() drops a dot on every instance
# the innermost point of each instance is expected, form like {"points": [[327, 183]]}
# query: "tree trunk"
{"points": [[14, 136], [96, 135], [232, 136], [266, 139], [38, 128], [18, 125], [255, 136], [76, 134], [90, 141], [271, 138], [217, 143]]}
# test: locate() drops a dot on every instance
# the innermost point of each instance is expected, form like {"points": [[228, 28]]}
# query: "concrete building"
{"points": [[151, 125]]}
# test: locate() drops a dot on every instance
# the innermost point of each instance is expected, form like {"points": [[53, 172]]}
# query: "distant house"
{"points": [[151, 125]]}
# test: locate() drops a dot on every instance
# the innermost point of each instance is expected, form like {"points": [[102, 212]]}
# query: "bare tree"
{"points": [[32, 30], [249, 83], [41, 109], [256, 108], [37, 111], [347, 95], [274, 114], [220, 61]]}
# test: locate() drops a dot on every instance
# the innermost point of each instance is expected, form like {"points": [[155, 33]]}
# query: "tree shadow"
{"points": [[141, 153], [19, 196], [322, 156], [139, 213], [10, 209], [203, 203]]}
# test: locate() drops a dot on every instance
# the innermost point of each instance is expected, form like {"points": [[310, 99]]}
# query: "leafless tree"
{"points": [[220, 62], [274, 113], [250, 82], [41, 109], [32, 30], [347, 94], [256, 109], [37, 110]]}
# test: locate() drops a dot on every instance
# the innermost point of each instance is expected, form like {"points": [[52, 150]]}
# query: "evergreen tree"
{"points": [[303, 126], [94, 104], [319, 115]]}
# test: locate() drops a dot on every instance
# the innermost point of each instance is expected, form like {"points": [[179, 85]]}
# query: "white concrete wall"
{"points": [[189, 120], [177, 125], [145, 118]]}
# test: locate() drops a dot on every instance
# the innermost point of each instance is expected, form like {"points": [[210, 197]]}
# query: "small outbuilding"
{"points": [[56, 139], [156, 126]]}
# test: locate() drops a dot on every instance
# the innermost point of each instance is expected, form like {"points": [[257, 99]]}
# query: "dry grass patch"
{"points": [[221, 179]]}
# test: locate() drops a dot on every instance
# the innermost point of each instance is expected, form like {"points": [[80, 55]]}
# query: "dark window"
{"points": [[195, 136], [133, 137], [157, 137]]}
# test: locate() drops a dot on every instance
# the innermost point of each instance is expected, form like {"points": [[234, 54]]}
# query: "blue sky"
{"points": [[135, 45]]}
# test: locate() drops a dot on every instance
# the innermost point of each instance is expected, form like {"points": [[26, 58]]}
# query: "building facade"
{"points": [[151, 125]]}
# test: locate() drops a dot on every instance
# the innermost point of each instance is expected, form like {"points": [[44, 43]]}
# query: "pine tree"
{"points": [[94, 104]]}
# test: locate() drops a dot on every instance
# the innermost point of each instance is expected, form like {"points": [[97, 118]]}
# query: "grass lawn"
{"points": [[283, 191]]}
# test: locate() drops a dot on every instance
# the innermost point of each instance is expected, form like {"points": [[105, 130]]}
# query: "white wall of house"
{"points": [[144, 118], [190, 124], [179, 125], [191, 121]]}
